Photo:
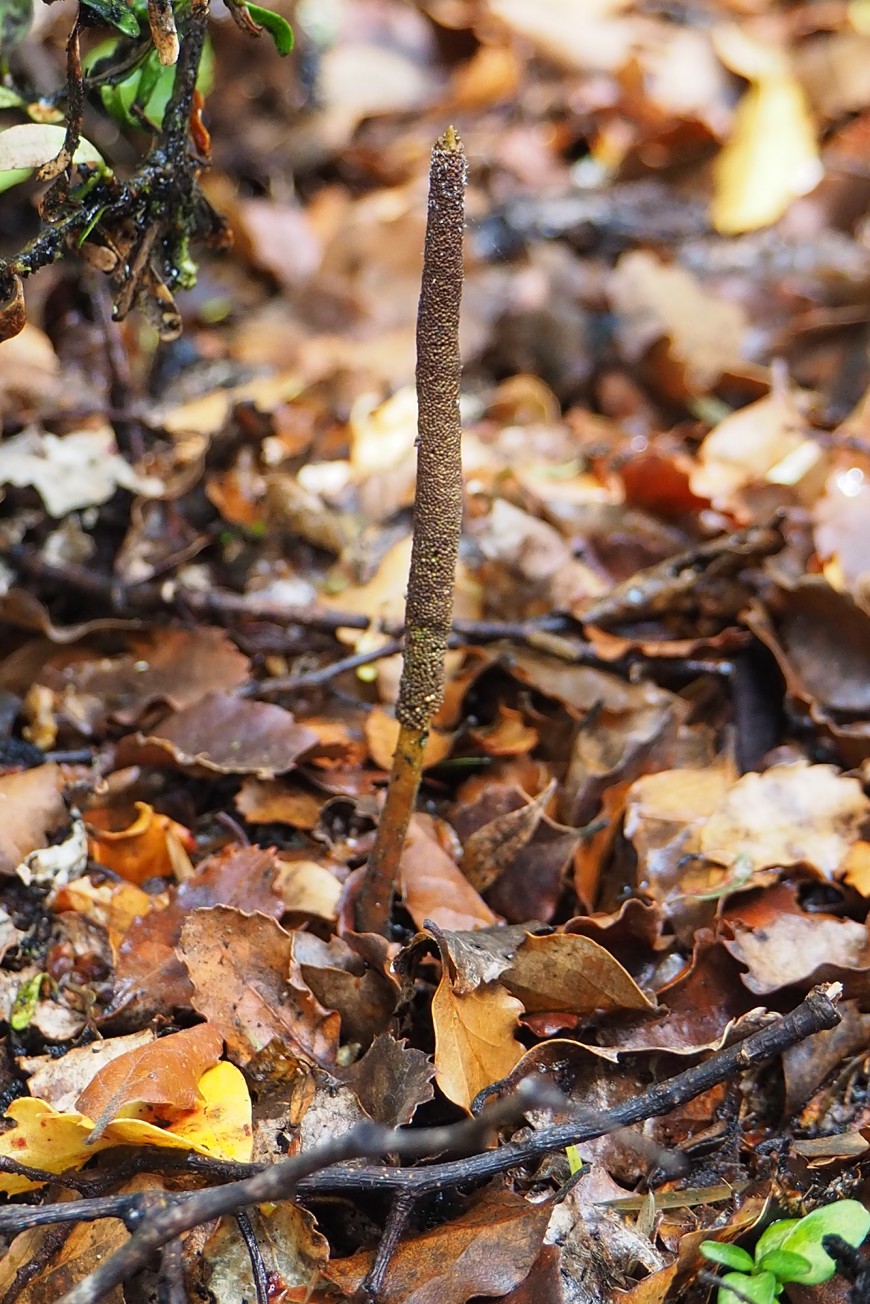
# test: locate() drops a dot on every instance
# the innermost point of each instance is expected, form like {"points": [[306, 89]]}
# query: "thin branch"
{"points": [[324, 1170]]}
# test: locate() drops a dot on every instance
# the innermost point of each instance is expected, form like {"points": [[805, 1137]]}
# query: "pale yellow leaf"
{"points": [[474, 1039], [770, 158]]}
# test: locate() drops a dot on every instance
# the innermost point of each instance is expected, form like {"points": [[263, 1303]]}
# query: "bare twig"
{"points": [[155, 1220]]}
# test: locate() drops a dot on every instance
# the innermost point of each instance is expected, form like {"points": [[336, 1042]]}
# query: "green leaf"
{"points": [[773, 1237], [784, 1264], [31, 144], [575, 1163], [117, 13], [277, 27], [846, 1218], [730, 1256], [25, 1003], [15, 19], [761, 1289]]}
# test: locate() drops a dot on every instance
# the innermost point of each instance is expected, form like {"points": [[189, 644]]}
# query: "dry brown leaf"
{"points": [[60, 1081], [563, 971], [780, 944], [247, 984], [149, 973], [279, 801], [508, 735], [474, 1038], [491, 848], [165, 1072], [48, 1274], [485, 1251], [654, 299], [224, 735], [391, 1080], [766, 441], [433, 886], [791, 814], [31, 808], [179, 668]]}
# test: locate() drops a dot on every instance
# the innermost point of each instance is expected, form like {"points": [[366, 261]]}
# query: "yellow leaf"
{"points": [[771, 157], [474, 1039], [219, 1125]]}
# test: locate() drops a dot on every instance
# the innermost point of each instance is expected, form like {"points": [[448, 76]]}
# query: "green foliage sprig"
{"points": [[790, 1250]]}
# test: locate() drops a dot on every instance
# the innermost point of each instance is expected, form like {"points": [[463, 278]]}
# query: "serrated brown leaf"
{"points": [[391, 1080], [247, 983]]}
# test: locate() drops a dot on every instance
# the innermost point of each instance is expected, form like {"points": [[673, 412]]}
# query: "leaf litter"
{"points": [[644, 829]]}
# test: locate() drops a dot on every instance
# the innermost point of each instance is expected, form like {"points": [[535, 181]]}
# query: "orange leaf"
{"points": [[166, 1072], [474, 1039], [150, 846]]}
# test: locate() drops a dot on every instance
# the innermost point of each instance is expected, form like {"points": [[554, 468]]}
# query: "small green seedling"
{"points": [[789, 1250]]}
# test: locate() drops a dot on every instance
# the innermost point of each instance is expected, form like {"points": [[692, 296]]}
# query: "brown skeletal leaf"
{"points": [[490, 849], [247, 983], [474, 1038], [224, 735], [487, 1251], [564, 971], [166, 1072]]}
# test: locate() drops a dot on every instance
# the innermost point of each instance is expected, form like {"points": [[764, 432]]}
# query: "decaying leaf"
{"points": [[486, 1251], [562, 971], [246, 983], [474, 1038], [223, 735], [166, 1072]]}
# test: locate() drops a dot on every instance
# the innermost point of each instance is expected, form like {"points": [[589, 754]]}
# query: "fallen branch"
{"points": [[156, 1219]]}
